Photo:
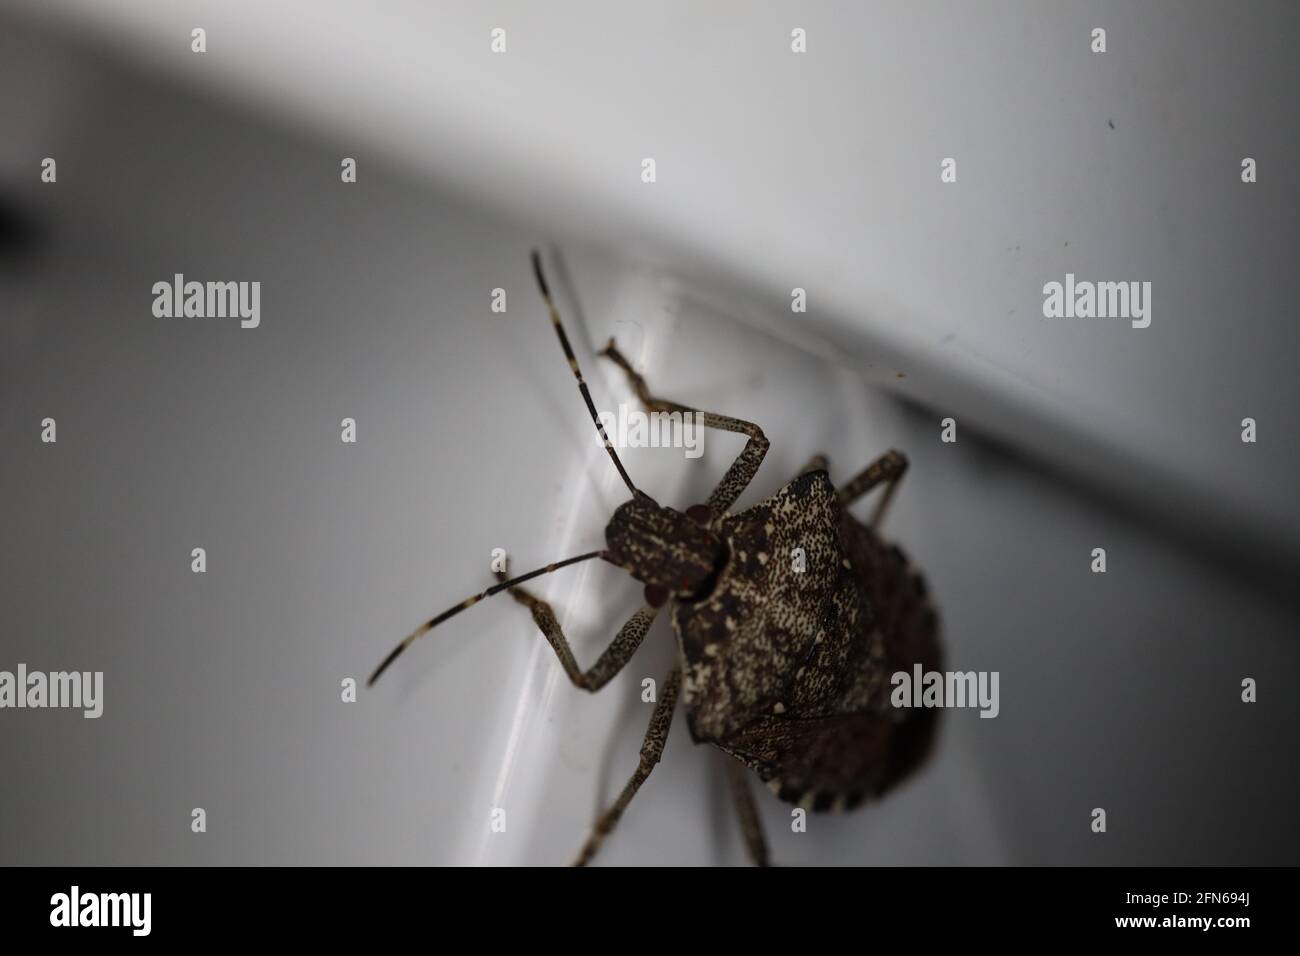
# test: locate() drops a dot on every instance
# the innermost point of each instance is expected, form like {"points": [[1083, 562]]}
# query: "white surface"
{"points": [[1117, 691]]}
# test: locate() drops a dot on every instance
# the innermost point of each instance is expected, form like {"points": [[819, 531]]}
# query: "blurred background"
{"points": [[774, 171]]}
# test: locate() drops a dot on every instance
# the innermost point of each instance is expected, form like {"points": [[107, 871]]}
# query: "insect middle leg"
{"points": [[609, 663], [742, 470], [751, 827], [888, 468], [652, 748]]}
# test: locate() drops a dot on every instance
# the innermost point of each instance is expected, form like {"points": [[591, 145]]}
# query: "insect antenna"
{"points": [[573, 364], [470, 602]]}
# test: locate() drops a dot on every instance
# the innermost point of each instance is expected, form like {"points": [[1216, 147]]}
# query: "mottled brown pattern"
{"points": [[661, 546], [789, 671]]}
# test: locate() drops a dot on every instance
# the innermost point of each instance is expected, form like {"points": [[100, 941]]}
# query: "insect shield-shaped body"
{"points": [[791, 616], [788, 662]]}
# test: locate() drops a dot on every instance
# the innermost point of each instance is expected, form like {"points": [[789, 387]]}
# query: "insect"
{"points": [[790, 617]]}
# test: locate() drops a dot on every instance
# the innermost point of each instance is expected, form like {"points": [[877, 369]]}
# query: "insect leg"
{"points": [[818, 462], [888, 468], [652, 749], [609, 663], [469, 602], [746, 811], [742, 470]]}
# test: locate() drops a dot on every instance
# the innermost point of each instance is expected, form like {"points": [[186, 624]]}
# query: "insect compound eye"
{"points": [[700, 514], [656, 595]]}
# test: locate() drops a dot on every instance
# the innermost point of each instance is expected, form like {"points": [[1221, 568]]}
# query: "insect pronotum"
{"points": [[782, 664]]}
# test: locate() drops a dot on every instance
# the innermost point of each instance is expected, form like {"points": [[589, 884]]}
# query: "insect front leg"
{"points": [[888, 468], [609, 663], [751, 827], [652, 748], [742, 470]]}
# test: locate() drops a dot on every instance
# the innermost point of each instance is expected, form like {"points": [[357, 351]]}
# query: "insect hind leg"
{"points": [[652, 748], [751, 827], [888, 469]]}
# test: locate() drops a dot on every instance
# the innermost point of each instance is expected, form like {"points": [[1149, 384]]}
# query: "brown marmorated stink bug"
{"points": [[790, 618]]}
